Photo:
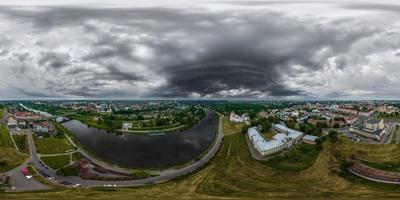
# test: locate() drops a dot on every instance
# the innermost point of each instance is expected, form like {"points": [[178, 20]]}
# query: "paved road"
{"points": [[21, 183], [164, 176]]}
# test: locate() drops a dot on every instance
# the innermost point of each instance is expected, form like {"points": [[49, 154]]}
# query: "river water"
{"points": [[133, 150]]}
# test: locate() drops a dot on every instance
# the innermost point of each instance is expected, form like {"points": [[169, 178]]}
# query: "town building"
{"points": [[264, 114], [12, 123], [371, 128], [43, 127], [350, 119], [310, 139], [282, 140], [238, 118], [366, 113], [126, 126], [27, 116]]}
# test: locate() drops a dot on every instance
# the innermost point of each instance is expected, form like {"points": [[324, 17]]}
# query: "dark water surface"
{"points": [[134, 150]]}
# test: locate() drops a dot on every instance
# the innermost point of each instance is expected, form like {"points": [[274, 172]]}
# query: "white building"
{"points": [[12, 123], [279, 142], [126, 125], [238, 118]]}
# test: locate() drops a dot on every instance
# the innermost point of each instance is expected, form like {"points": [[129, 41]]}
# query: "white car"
{"points": [[77, 185], [28, 176]]}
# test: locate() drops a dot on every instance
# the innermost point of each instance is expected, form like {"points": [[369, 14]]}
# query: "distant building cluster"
{"points": [[238, 118], [18, 119], [284, 139]]}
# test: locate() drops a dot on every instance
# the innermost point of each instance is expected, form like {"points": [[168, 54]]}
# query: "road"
{"points": [[164, 175], [21, 183]]}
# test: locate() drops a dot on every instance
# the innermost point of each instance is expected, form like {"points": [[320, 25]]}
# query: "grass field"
{"points": [[5, 138], [235, 175], [10, 158], [22, 143], [301, 157], [88, 120], [394, 137], [230, 127], [268, 135], [77, 156], [52, 145], [56, 162]]}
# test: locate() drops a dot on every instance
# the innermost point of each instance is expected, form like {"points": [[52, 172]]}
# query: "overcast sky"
{"points": [[116, 49]]}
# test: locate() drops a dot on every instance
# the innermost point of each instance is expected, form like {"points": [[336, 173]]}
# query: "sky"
{"points": [[266, 50]]}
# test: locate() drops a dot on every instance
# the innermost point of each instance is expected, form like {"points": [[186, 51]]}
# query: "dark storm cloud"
{"points": [[249, 52], [54, 60], [115, 73]]}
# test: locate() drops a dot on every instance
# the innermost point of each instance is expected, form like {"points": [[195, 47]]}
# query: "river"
{"points": [[143, 151]]}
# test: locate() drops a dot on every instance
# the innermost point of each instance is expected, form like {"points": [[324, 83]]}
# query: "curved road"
{"points": [[164, 175]]}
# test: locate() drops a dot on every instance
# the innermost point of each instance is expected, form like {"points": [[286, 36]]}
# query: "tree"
{"points": [[244, 129], [266, 125], [333, 135], [318, 142]]}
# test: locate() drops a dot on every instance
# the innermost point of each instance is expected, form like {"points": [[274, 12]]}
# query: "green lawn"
{"points": [[22, 143], [301, 157], [230, 127], [77, 156], [394, 137], [10, 158], [52, 145], [5, 138], [88, 120], [56, 162], [268, 135], [386, 166]]}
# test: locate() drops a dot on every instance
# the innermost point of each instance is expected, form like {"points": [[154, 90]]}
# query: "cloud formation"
{"points": [[154, 52]]}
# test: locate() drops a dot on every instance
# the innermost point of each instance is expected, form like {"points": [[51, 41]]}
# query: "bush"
{"points": [[3, 163], [140, 174], [68, 171], [333, 135]]}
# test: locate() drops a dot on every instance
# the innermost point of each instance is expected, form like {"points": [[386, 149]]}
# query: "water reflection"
{"points": [[148, 151]]}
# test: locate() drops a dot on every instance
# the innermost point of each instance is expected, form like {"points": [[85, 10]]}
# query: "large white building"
{"points": [[282, 140], [238, 118], [372, 128]]}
